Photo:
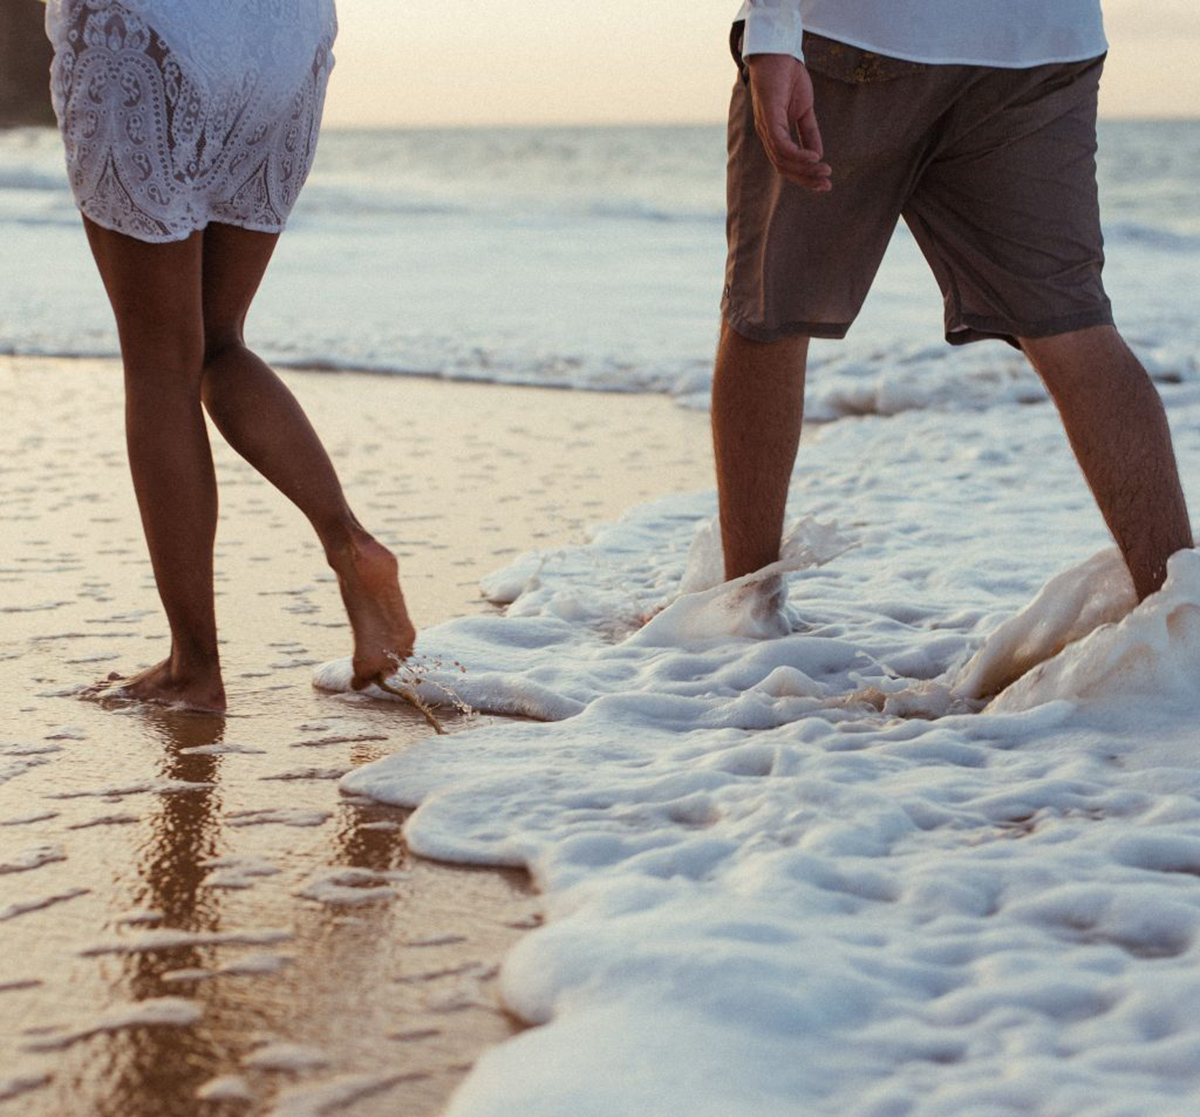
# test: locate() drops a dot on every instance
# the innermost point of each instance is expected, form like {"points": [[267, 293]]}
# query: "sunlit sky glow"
{"points": [[404, 64]]}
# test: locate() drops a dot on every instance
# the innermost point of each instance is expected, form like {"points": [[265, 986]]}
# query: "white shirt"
{"points": [[1008, 33]]}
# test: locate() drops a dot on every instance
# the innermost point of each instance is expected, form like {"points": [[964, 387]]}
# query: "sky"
{"points": [[454, 62]]}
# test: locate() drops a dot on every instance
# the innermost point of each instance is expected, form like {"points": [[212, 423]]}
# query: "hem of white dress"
{"points": [[175, 236]]}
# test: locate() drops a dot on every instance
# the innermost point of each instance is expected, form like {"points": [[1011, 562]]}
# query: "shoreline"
{"points": [[323, 367]]}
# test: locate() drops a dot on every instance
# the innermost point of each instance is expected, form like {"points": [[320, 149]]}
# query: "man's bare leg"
{"points": [[1118, 429], [757, 413]]}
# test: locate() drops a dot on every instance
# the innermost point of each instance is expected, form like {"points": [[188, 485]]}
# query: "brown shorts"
{"points": [[992, 169]]}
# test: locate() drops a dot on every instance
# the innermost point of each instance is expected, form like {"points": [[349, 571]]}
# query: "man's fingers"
{"points": [[779, 140], [793, 162], [818, 184], [812, 176], [800, 163], [810, 134]]}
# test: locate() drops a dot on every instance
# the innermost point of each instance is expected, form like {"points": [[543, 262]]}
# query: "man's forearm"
{"points": [[773, 27]]}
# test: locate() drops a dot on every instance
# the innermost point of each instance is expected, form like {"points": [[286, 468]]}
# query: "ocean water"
{"points": [[794, 857], [587, 258]]}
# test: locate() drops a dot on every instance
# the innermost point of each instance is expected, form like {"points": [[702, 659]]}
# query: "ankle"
{"points": [[190, 661], [344, 539]]}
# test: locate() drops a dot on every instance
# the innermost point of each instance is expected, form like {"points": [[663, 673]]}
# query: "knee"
{"points": [[218, 347], [1076, 347], [211, 394], [1084, 358], [221, 369], [219, 342], [162, 360]]}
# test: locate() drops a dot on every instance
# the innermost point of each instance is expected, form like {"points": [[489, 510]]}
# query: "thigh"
{"points": [[803, 263], [1007, 210], [235, 261], [155, 294]]}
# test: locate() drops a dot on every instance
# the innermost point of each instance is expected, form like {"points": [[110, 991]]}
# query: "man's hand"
{"points": [[782, 93]]}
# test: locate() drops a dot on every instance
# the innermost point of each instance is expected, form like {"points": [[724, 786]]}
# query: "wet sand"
{"points": [[187, 905]]}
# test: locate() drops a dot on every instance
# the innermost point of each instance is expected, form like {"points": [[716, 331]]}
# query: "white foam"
{"points": [[308, 773], [237, 872], [299, 817], [142, 787], [157, 1012], [829, 871], [351, 887], [33, 858], [191, 973], [139, 917], [122, 818], [252, 965], [226, 1088], [168, 939], [1152, 652], [41, 749], [67, 733], [1070, 606], [256, 965], [293, 1057], [29, 819], [39, 903], [225, 748]]}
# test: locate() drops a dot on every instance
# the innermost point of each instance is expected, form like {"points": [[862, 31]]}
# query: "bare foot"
{"points": [[368, 575], [167, 686]]}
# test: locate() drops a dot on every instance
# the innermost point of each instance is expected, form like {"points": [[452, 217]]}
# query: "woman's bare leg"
{"points": [[156, 296], [262, 421]]}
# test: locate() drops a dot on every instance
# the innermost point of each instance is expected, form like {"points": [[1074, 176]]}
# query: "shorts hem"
{"points": [[974, 327], [831, 331]]}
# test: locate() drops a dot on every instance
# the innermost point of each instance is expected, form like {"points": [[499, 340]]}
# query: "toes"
{"points": [[371, 671]]}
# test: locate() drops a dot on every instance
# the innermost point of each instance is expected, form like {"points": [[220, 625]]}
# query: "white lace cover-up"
{"points": [[178, 113]]}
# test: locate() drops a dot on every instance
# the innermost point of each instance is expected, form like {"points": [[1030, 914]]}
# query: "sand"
{"points": [[187, 905]]}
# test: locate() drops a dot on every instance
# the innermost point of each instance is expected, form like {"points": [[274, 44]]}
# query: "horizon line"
{"points": [[467, 126]]}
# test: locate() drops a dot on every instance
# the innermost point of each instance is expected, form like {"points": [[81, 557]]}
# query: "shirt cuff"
{"points": [[774, 31]]}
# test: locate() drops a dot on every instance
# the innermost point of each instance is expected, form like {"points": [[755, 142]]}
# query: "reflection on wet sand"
{"points": [[148, 877], [158, 1069], [290, 991]]}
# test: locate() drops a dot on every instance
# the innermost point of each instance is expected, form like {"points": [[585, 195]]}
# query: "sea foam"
{"points": [[823, 864]]}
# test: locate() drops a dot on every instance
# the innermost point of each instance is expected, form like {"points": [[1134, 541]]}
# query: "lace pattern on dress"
{"points": [[157, 148]]}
